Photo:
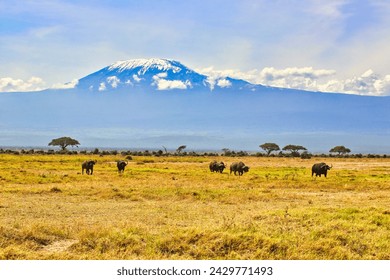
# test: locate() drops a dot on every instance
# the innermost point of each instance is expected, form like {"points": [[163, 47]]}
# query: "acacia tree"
{"points": [[226, 151], [294, 149], [64, 142], [180, 149], [269, 148], [165, 149], [341, 150]]}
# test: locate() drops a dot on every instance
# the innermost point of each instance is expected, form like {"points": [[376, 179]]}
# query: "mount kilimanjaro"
{"points": [[156, 74], [149, 103]]}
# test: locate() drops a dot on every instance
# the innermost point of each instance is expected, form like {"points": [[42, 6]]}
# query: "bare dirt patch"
{"points": [[59, 246]]}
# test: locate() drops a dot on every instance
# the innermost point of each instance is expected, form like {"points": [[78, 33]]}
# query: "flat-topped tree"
{"points": [[269, 147], [341, 150], [64, 142], [294, 149]]}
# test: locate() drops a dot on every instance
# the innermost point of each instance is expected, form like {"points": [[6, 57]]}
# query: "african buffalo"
{"points": [[88, 166], [239, 167], [320, 168], [217, 166], [121, 164]]}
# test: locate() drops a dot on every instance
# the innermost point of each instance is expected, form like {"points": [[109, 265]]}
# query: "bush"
{"points": [[125, 153], [306, 155]]}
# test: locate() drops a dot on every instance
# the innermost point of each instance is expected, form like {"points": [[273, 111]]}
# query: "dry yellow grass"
{"points": [[175, 208]]}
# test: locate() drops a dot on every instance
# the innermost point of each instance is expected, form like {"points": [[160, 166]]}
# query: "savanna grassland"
{"points": [[175, 208]]}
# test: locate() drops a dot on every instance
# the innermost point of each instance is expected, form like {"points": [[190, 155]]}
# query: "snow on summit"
{"points": [[156, 74], [146, 64]]}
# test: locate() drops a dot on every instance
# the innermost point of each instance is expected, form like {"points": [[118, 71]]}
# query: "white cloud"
{"points": [[163, 84], [8, 84], [69, 85], [328, 9], [175, 84], [211, 82], [369, 83], [224, 83], [270, 73], [305, 78], [161, 75], [113, 81], [218, 77], [102, 87], [128, 82], [136, 78]]}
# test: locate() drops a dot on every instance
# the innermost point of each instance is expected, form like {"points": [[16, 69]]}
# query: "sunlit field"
{"points": [[175, 208]]}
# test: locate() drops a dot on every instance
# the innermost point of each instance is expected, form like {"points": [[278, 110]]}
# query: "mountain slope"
{"points": [[143, 104], [154, 74]]}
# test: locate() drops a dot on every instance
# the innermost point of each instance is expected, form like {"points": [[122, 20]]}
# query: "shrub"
{"points": [[306, 155]]}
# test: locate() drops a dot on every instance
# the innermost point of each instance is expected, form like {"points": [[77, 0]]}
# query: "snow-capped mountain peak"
{"points": [[146, 64], [155, 74]]}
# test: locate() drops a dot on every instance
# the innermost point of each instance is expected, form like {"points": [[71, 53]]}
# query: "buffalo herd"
{"points": [[88, 166], [238, 168]]}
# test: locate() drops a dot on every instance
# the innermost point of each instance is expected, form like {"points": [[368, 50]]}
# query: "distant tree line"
{"points": [[294, 150], [160, 153], [270, 150]]}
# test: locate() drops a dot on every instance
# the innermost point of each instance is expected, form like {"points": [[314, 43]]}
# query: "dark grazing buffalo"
{"points": [[217, 166], [121, 164], [88, 166], [239, 167], [320, 168]]}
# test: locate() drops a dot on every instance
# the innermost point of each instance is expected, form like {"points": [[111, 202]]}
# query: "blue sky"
{"points": [[334, 45]]}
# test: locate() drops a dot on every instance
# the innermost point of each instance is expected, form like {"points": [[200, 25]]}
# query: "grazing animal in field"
{"points": [[238, 167], [221, 166], [213, 165], [320, 168], [217, 166], [88, 166], [121, 164]]}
